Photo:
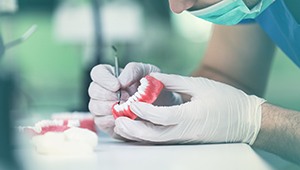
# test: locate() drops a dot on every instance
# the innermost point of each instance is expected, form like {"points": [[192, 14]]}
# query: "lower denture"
{"points": [[60, 124], [151, 93]]}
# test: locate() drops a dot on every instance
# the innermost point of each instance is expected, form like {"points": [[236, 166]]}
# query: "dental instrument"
{"points": [[117, 72]]}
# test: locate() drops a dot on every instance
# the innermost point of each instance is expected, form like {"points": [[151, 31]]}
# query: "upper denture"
{"points": [[148, 91]]}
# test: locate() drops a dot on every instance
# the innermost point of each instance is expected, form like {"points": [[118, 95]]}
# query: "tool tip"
{"points": [[115, 48]]}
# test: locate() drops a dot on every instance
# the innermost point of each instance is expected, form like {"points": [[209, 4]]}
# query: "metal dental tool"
{"points": [[24, 37], [117, 72]]}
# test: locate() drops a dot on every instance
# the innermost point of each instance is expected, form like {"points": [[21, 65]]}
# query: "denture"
{"points": [[44, 126], [147, 92], [76, 119], [57, 137], [60, 123]]}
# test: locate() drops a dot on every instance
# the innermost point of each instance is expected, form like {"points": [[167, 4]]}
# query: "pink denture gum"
{"points": [[147, 92], [61, 123], [82, 120]]}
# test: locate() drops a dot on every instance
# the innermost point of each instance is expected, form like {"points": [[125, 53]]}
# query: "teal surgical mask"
{"points": [[231, 12]]}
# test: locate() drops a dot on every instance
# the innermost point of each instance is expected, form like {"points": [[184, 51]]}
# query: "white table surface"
{"points": [[116, 155]]}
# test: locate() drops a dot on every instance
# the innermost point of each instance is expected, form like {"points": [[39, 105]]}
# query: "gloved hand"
{"points": [[217, 113], [103, 90]]}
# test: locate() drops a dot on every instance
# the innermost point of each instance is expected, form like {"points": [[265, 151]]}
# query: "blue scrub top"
{"points": [[278, 22]]}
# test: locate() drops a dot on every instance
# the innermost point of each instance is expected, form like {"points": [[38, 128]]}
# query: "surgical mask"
{"points": [[231, 12]]}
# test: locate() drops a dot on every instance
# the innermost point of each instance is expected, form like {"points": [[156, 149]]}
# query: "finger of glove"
{"points": [[143, 131], [117, 136], [107, 129], [161, 115], [104, 122], [133, 72], [103, 75], [125, 135], [101, 108], [99, 93], [180, 84]]}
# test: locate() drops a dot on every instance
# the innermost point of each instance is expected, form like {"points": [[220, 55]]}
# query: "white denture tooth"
{"points": [[120, 107], [128, 103], [144, 84], [144, 87], [127, 106], [138, 95], [139, 88], [134, 98], [37, 129], [73, 123], [131, 99], [123, 106], [141, 92], [42, 123], [117, 107], [143, 81], [58, 123]]}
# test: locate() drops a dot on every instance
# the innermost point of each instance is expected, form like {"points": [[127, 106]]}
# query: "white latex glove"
{"points": [[217, 113], [103, 90]]}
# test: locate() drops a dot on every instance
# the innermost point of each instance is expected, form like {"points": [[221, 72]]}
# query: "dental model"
{"points": [[148, 91], [73, 141], [77, 119], [58, 125], [66, 134]]}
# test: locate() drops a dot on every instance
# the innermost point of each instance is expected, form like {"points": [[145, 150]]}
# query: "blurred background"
{"points": [[53, 65]]}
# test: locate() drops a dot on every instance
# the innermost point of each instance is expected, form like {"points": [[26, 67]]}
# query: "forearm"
{"points": [[214, 73], [280, 132], [236, 57]]}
